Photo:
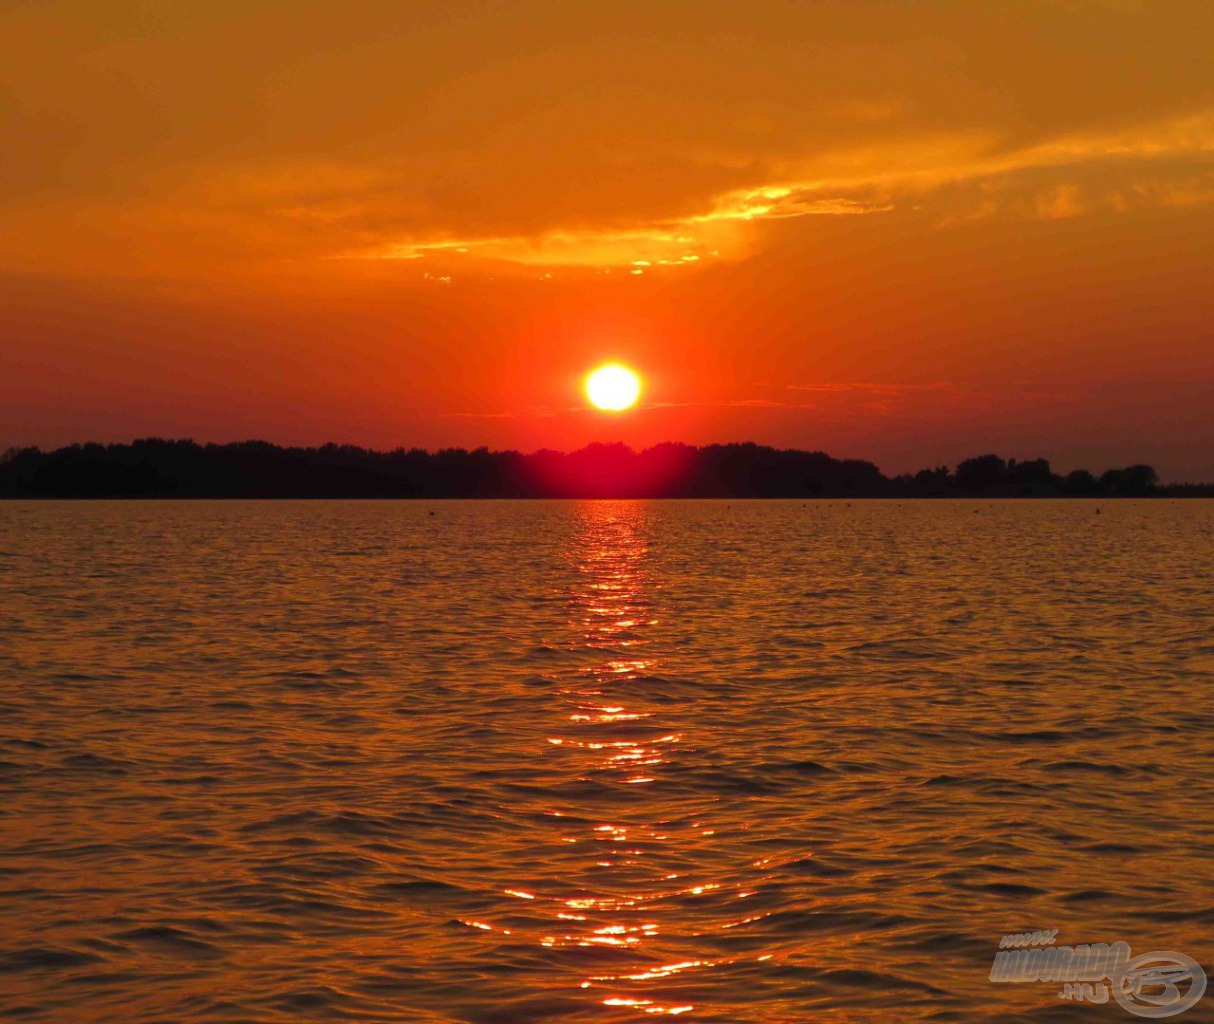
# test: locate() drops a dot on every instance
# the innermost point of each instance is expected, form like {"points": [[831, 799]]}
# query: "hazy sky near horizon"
{"points": [[904, 231]]}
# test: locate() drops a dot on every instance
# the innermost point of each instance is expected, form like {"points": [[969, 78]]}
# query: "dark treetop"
{"points": [[156, 468]]}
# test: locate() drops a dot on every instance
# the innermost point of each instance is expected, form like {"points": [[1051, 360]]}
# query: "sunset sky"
{"points": [[904, 231]]}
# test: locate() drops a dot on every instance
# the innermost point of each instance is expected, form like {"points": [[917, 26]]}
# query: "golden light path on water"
{"points": [[611, 608], [632, 860]]}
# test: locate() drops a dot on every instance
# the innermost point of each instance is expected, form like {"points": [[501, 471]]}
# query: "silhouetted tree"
{"points": [[1081, 482], [1033, 476], [985, 473], [1133, 481]]}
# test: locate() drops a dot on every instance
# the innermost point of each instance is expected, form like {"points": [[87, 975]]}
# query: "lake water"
{"points": [[604, 761]]}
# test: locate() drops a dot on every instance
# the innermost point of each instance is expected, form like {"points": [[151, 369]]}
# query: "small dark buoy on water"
{"points": [[1098, 511], [431, 511]]}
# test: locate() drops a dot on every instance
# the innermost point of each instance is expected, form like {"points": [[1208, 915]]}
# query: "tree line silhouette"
{"points": [[158, 468]]}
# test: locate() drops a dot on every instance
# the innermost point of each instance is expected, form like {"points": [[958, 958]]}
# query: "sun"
{"points": [[613, 387]]}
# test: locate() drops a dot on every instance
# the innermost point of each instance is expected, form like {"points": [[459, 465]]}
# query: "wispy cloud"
{"points": [[872, 387], [658, 245], [740, 403], [1133, 166]]}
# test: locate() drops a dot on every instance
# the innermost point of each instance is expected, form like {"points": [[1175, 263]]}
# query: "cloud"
{"points": [[495, 415], [874, 388], [675, 242], [740, 403], [656, 245], [1029, 180]]}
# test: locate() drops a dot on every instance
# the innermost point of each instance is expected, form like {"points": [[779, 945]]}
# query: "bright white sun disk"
{"points": [[613, 387]]}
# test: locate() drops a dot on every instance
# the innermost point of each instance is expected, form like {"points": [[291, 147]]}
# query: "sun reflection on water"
{"points": [[626, 876]]}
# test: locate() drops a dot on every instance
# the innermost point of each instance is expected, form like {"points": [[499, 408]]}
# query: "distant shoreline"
{"points": [[184, 470]]}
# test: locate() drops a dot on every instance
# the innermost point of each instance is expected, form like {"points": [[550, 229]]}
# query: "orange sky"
{"points": [[910, 232]]}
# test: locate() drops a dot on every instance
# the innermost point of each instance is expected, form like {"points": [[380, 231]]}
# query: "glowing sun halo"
{"points": [[613, 387]]}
